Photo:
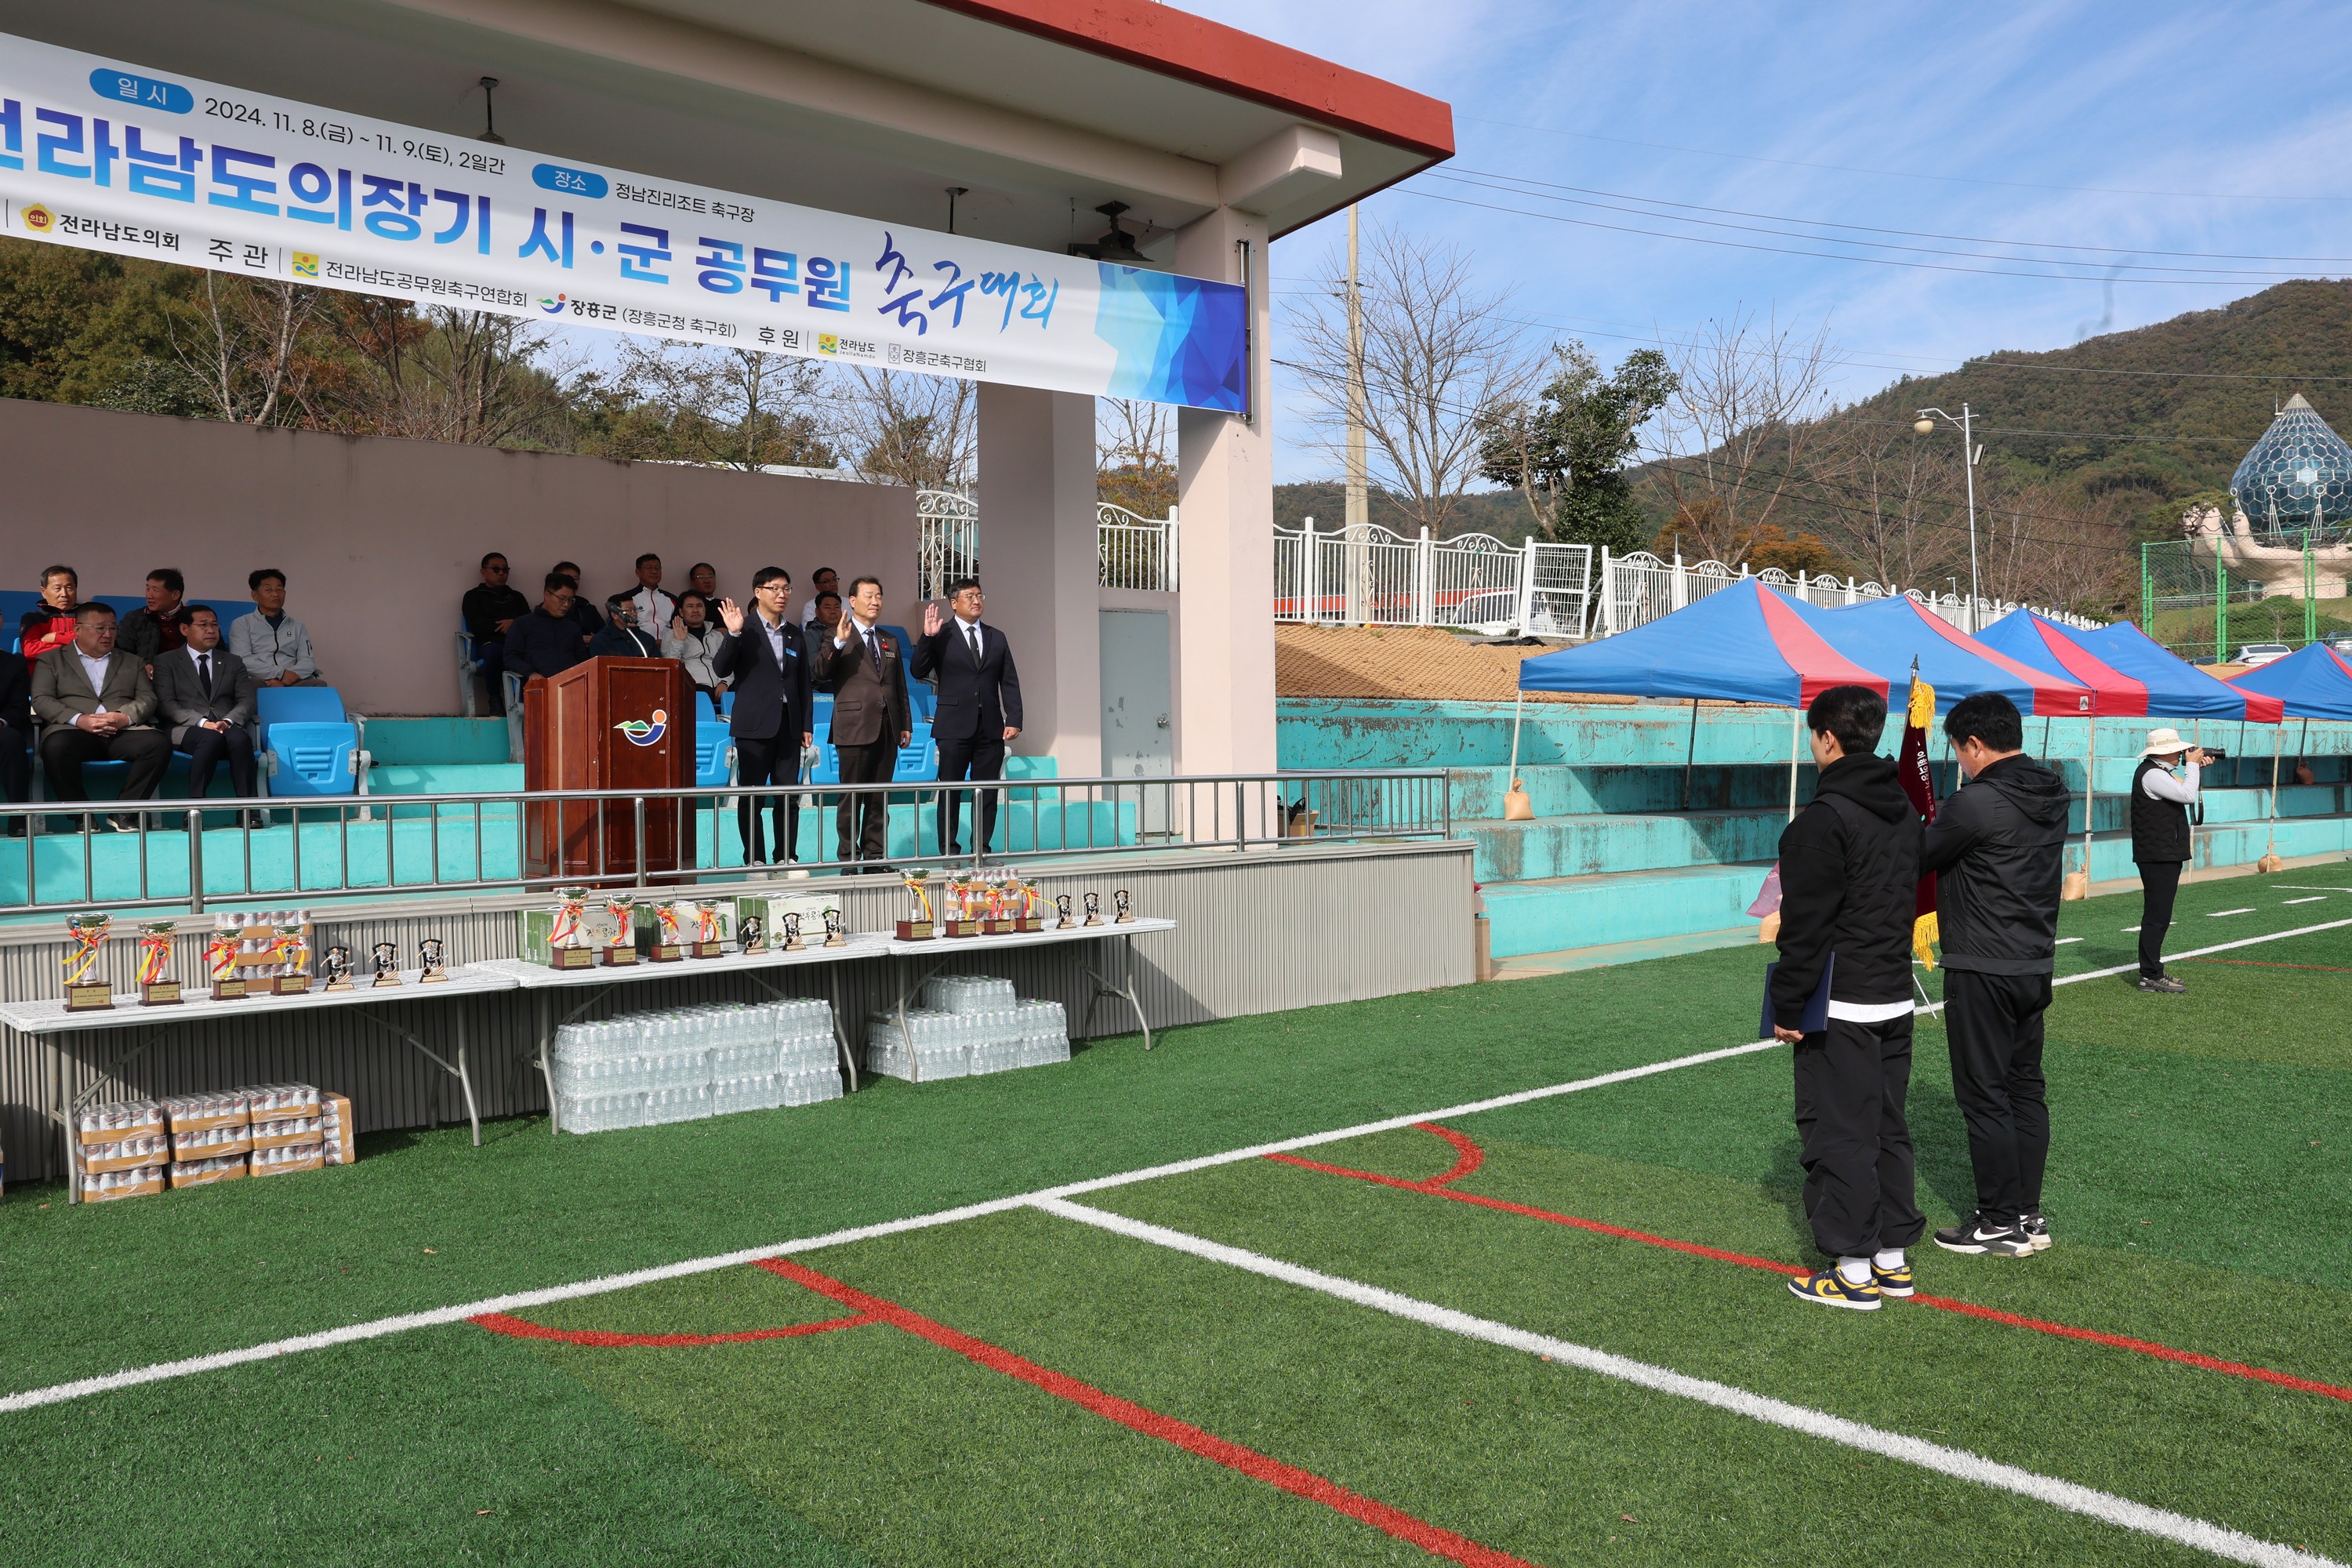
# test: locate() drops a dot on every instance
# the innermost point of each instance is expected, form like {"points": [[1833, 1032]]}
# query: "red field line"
{"points": [[1430, 1538], [1434, 1187], [517, 1328]]}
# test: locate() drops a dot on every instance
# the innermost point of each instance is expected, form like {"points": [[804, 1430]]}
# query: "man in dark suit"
{"points": [[547, 641], [763, 656], [862, 669], [980, 703], [96, 704], [207, 701]]}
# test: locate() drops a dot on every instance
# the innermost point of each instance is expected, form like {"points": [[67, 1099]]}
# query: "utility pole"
{"points": [[1359, 491], [1970, 455]]}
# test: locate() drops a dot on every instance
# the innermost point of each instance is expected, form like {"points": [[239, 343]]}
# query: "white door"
{"points": [[1139, 738]]}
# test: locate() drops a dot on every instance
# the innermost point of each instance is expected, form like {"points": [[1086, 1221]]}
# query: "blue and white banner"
{"points": [[107, 156]]}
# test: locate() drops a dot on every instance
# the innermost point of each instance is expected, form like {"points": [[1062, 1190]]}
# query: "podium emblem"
{"points": [[642, 732]]}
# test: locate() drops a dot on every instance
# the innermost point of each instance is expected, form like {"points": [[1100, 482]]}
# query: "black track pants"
{"points": [[1994, 1022], [1856, 1146], [2158, 881]]}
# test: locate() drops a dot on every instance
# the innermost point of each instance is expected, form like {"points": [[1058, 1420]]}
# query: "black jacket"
{"points": [[618, 641], [974, 699], [483, 608], [769, 702], [539, 644], [15, 695], [1998, 847], [1849, 878]]}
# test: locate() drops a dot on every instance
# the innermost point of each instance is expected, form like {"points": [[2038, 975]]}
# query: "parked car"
{"points": [[2340, 643], [2258, 653]]}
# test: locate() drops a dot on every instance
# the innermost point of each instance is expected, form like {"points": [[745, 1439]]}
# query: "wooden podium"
{"points": [[608, 724]]}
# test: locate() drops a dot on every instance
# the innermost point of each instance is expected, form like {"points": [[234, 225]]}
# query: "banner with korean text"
{"points": [[107, 156]]}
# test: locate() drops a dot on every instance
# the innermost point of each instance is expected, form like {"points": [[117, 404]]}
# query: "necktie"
{"points": [[873, 650], [204, 671], [972, 633]]}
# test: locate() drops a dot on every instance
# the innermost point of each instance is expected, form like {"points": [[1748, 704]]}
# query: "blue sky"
{"points": [[2145, 128]]}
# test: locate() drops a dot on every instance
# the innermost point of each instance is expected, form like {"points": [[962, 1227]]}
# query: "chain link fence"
{"points": [[2204, 609]]}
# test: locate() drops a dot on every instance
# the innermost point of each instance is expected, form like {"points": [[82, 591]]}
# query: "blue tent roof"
{"points": [[1889, 635], [2176, 688], [2312, 683], [1743, 643]]}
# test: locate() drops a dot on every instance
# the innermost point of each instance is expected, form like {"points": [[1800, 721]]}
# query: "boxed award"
{"points": [[567, 936], [683, 927], [129, 1154]]}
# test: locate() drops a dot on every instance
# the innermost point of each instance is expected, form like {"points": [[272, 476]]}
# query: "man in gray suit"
{"points": [[95, 703], [861, 667], [206, 697]]}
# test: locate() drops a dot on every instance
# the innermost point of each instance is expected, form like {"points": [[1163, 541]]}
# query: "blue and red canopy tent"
{"points": [[1897, 635], [2314, 683], [2129, 676]]}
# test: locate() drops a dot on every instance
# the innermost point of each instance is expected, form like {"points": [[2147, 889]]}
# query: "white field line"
{"points": [[2310, 888], [2314, 898], [435, 1317], [2217, 914], [2203, 1535]]}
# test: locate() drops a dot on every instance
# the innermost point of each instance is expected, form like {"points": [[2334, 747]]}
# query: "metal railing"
{"points": [[1136, 552], [1370, 576], [946, 544], [165, 855]]}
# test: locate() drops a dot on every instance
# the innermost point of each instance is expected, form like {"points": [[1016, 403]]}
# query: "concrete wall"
{"points": [[379, 539]]}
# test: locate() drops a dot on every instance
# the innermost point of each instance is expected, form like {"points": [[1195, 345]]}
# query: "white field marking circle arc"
{"points": [[2204, 1536], [605, 1284], [58, 1393]]}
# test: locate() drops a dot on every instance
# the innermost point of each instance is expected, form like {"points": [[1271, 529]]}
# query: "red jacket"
{"points": [[43, 629]]}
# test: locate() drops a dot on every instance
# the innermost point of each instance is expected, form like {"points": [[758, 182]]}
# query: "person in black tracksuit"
{"points": [[2162, 843], [1849, 871], [1997, 847]]}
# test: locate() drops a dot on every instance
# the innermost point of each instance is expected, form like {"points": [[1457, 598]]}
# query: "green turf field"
{"points": [[1028, 1387]]}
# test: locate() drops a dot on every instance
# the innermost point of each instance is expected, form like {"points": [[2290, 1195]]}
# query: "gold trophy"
{"points": [[1032, 906], [622, 908], [710, 932], [155, 989], [919, 923], [567, 938], [220, 962], [433, 964], [666, 949], [289, 950], [967, 898], [83, 993]]}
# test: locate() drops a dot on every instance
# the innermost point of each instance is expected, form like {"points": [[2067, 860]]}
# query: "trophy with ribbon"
{"points": [[1094, 909], [1062, 918], [567, 935], [387, 965], [710, 932], [86, 990], [337, 967], [967, 906], [622, 951], [432, 956], [291, 950], [750, 934], [793, 942], [156, 987], [836, 933], [1032, 908], [919, 923], [220, 961], [666, 948], [1126, 916]]}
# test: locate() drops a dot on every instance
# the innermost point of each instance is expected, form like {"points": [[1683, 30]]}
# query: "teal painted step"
{"points": [[1586, 912], [1588, 846], [1556, 790], [424, 740], [443, 778]]}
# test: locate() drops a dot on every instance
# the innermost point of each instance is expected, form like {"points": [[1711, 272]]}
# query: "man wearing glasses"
{"points": [[489, 607]]}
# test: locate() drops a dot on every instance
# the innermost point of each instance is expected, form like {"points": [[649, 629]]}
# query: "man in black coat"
{"points": [[980, 703], [860, 666], [489, 608], [771, 723], [1998, 847], [547, 641], [1849, 873]]}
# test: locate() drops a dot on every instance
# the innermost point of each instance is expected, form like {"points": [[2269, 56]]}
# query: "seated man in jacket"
{"points": [[1998, 847], [549, 640], [96, 704], [153, 628], [621, 638], [276, 647], [207, 702], [1849, 874], [50, 624]]}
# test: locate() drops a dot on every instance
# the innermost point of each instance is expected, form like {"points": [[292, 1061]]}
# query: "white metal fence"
{"points": [[947, 541], [1370, 576], [1136, 552], [1639, 588]]}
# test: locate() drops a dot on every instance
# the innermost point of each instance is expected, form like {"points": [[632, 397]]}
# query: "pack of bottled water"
{"points": [[985, 1029], [682, 1064]]}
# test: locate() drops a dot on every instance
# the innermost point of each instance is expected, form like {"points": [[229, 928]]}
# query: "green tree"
{"points": [[1566, 452]]}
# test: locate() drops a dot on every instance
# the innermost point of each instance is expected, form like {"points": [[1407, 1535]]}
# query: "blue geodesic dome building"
{"points": [[2297, 477]]}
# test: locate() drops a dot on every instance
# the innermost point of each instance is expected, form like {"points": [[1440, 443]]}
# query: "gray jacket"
{"points": [[270, 651], [183, 700], [61, 690]]}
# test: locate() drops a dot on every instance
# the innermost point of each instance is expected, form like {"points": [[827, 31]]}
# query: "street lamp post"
{"points": [[1969, 453]]}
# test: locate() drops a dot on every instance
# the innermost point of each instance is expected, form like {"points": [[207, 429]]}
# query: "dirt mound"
{"points": [[1415, 663]]}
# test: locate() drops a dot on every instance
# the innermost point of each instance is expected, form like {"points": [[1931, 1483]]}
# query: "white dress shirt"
{"points": [[972, 638], [2159, 785], [95, 668]]}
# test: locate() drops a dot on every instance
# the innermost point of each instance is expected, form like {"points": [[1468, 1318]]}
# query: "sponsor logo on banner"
{"points": [[639, 732], [437, 219]]}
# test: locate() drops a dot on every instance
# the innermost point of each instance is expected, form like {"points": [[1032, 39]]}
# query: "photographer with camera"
{"points": [[2162, 843]]}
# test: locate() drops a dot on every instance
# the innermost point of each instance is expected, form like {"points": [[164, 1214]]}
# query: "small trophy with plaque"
{"points": [[710, 932], [1094, 909], [85, 994], [836, 933], [666, 948], [967, 906], [337, 967], [567, 936], [432, 956], [1062, 918], [1126, 916], [919, 923], [620, 950], [793, 942], [156, 987], [387, 965], [751, 936], [220, 960], [1032, 908], [289, 945]]}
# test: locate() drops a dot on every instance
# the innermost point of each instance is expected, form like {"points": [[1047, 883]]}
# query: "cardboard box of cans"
{"points": [[132, 1148]]}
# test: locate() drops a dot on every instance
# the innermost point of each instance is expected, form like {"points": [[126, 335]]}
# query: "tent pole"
{"points": [[1690, 755], [1516, 806], [2090, 795], [1796, 728]]}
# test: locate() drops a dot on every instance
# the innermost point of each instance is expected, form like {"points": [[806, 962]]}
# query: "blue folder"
{"points": [[1816, 1015]]}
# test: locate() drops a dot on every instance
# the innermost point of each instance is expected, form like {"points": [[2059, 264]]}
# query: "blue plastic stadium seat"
{"points": [[828, 765], [918, 759], [296, 705], [727, 703], [314, 759], [713, 760], [921, 695]]}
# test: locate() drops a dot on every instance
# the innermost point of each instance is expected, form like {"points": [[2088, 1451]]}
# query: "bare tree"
{"points": [[902, 428], [1441, 362], [441, 375], [741, 408], [1886, 497], [1135, 466], [248, 347], [1735, 439]]}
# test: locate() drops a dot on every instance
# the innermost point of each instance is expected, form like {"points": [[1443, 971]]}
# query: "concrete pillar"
{"points": [[1037, 563], [1224, 682]]}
